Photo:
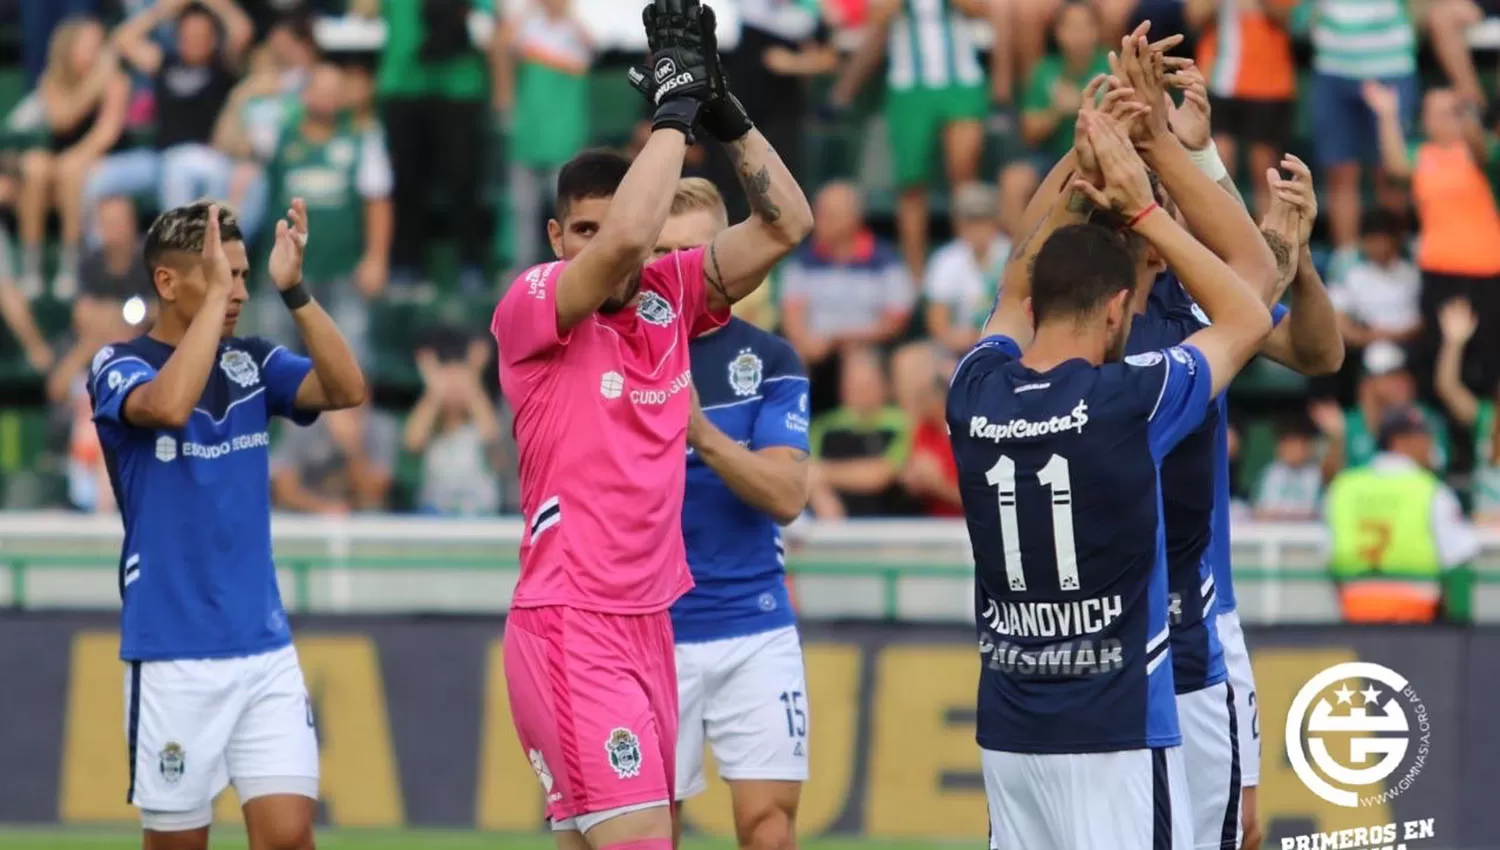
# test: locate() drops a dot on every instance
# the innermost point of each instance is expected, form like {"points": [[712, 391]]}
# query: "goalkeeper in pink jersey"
{"points": [[594, 361]]}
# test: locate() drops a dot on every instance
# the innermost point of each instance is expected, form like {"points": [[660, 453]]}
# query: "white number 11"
{"points": [[1002, 476]]}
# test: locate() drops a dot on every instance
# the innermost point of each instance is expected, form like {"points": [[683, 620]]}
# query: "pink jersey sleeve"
{"points": [[680, 276], [525, 321]]}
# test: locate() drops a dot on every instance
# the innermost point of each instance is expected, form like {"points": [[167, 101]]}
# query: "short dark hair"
{"points": [[197, 8], [1079, 268], [180, 231], [591, 174]]}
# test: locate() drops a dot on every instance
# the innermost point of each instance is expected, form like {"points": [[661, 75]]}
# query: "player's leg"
{"points": [[1210, 754], [578, 694], [912, 121], [758, 724], [691, 680], [178, 718], [1247, 715], [273, 754]]}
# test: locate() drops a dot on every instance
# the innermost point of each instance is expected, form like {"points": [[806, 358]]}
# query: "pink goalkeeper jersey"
{"points": [[601, 421]]}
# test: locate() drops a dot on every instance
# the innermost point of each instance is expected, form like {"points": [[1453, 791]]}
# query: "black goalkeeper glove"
{"points": [[679, 82]]}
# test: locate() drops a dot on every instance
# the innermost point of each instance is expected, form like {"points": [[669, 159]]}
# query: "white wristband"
{"points": [[1209, 163]]}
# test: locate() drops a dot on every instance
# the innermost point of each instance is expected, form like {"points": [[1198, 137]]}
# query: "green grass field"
{"points": [[232, 838]]}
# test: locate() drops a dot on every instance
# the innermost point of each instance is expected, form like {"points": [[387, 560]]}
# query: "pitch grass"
{"points": [[233, 838]]}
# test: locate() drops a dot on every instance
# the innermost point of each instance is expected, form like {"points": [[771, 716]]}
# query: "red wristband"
{"points": [[1130, 225]]}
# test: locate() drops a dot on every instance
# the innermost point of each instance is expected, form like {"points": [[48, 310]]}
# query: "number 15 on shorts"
{"points": [[796, 714]]}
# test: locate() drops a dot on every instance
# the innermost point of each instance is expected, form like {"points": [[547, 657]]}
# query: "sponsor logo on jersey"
{"points": [[745, 373], [101, 358], [611, 384], [172, 761], [1375, 716], [214, 451], [656, 397], [802, 403], [166, 449], [655, 310], [543, 774], [981, 428], [1180, 354], [624, 751], [1144, 359], [796, 422], [536, 281], [239, 367], [1066, 659]]}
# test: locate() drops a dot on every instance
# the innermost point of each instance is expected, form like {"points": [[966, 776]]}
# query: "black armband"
{"points": [[295, 298]]}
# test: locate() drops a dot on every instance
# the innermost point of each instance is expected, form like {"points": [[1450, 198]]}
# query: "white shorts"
{"points": [[748, 696], [1210, 754], [1129, 800], [1242, 678], [195, 726]]}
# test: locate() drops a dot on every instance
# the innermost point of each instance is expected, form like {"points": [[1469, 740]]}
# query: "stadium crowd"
{"points": [[428, 163]]}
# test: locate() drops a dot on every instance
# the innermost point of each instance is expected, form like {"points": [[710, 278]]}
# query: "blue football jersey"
{"points": [[752, 387], [196, 573], [1058, 471], [1195, 481]]}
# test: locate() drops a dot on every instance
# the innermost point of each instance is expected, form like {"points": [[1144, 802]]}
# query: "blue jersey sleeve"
{"points": [[113, 377], [284, 373], [783, 416], [1182, 402], [1278, 312]]}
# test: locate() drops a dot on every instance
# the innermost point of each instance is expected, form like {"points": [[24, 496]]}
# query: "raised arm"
{"points": [[239, 30], [133, 37], [868, 56], [167, 400], [1307, 340], [1458, 323], [740, 258], [1386, 104], [503, 66], [336, 381]]}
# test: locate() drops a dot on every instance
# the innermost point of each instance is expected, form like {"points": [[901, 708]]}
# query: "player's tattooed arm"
{"points": [[1286, 260], [740, 258]]}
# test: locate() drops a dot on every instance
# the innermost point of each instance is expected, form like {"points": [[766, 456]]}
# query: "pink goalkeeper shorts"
{"points": [[594, 700]]}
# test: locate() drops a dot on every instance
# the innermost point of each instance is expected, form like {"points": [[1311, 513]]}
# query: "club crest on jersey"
{"points": [[624, 753], [240, 368], [654, 309], [172, 761], [745, 372], [1145, 358]]}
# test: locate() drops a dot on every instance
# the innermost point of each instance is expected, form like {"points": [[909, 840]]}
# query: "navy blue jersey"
{"points": [[1195, 481], [752, 388], [196, 573], [1058, 471]]}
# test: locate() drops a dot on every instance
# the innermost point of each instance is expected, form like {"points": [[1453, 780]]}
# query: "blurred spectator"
{"points": [[114, 272], [935, 100], [251, 121], [342, 463], [1379, 298], [434, 86], [782, 44], [84, 98], [860, 448], [1448, 22], [844, 286], [341, 170], [1387, 384], [963, 276], [1398, 536], [39, 20], [541, 58], [1459, 252], [1355, 41], [15, 308], [1246, 55], [1050, 102], [931, 474], [454, 429], [1290, 488], [191, 84], [1035, 21], [1474, 413]]}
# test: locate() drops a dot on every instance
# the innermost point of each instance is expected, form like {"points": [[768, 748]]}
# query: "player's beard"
{"points": [[616, 303]]}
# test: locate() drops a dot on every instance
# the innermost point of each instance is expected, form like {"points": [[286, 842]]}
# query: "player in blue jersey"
{"points": [[1058, 447], [214, 693], [740, 678]]}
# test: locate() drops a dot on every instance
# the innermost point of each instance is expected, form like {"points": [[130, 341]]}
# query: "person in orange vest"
{"points": [[1399, 539]]}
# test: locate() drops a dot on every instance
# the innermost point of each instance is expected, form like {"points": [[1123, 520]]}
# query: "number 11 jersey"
{"points": [[1059, 475]]}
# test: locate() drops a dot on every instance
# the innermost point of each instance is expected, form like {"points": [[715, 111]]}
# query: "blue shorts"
{"points": [[1344, 129]]}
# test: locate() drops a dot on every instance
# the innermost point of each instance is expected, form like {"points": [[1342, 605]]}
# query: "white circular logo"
{"points": [[1374, 717], [611, 384], [1145, 358]]}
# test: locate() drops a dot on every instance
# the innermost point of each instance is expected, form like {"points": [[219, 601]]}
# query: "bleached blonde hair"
{"points": [[695, 194]]}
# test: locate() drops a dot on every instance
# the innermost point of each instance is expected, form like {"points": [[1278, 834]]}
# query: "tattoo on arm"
{"points": [[757, 184], [716, 276], [1281, 249], [1228, 185], [1079, 203]]}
